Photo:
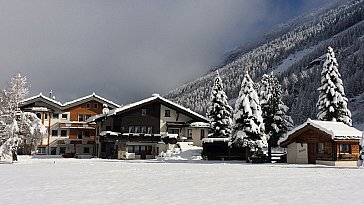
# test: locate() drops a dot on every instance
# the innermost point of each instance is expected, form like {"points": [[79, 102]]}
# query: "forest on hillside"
{"points": [[341, 27]]}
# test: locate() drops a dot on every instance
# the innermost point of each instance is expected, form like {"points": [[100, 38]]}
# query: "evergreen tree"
{"points": [[276, 122], [248, 126], [219, 110], [332, 103]]}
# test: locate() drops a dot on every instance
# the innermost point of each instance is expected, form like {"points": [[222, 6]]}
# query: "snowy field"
{"points": [[97, 181]]}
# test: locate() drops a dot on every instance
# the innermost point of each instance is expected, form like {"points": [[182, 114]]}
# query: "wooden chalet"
{"points": [[323, 142], [143, 129]]}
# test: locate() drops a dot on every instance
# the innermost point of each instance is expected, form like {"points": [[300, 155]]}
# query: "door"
{"points": [[312, 153], [143, 153]]}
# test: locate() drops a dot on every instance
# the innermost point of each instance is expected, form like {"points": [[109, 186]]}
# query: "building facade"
{"points": [[145, 128], [68, 132]]}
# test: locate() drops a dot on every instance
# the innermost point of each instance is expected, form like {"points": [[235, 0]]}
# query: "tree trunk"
{"points": [[269, 151], [14, 156], [247, 154]]}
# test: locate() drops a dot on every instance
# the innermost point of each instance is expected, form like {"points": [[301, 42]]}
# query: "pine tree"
{"points": [[219, 111], [248, 126], [276, 122], [332, 103]]}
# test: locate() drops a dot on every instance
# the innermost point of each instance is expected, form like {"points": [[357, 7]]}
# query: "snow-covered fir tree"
{"points": [[219, 111], [332, 104], [275, 119], [17, 127], [248, 126]]}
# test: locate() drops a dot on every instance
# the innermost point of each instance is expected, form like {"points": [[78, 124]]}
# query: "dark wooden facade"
{"points": [[152, 127]]}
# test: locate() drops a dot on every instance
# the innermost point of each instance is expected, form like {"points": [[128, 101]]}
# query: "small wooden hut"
{"points": [[323, 142]]}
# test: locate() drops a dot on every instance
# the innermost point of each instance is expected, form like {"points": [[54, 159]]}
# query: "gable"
{"points": [[307, 134]]}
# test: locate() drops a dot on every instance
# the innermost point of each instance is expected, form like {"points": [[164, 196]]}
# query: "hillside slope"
{"points": [[295, 57]]}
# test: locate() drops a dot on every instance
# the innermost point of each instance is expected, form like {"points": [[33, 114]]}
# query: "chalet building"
{"points": [[323, 142], [145, 128], [68, 131]]}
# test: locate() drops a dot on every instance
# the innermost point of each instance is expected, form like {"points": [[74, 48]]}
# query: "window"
{"points": [[79, 134], [136, 150], [202, 133], [137, 129], [87, 134], [143, 129], [173, 131], [63, 133], [149, 150], [189, 133], [131, 129], [62, 150], [144, 112], [108, 128], [39, 115], [150, 130], [167, 113], [41, 150], [64, 116], [130, 149], [88, 105], [86, 150], [55, 116], [81, 118], [320, 148], [53, 150], [96, 105], [45, 116], [54, 133], [345, 148]]}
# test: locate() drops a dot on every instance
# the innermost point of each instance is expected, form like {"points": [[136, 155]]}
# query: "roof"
{"points": [[155, 97], [92, 96], [34, 98], [337, 130], [69, 103]]}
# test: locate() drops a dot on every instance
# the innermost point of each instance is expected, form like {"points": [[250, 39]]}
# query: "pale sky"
{"points": [[127, 50]]}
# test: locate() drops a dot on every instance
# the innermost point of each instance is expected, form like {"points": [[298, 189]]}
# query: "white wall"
{"points": [[297, 153], [172, 118]]}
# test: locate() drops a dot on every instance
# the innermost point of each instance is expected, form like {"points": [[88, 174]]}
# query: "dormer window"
{"points": [[167, 113]]}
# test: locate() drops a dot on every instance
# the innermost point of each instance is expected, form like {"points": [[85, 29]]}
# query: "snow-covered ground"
{"points": [[186, 151], [97, 181]]}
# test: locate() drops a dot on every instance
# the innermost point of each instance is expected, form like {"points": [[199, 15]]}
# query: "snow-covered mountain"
{"points": [[294, 52]]}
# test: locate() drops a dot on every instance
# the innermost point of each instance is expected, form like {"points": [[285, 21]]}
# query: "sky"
{"points": [[127, 50]]}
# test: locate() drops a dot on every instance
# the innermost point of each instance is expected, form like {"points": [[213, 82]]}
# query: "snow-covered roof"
{"points": [[200, 124], [70, 103], [93, 95], [337, 130], [150, 99], [44, 97]]}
